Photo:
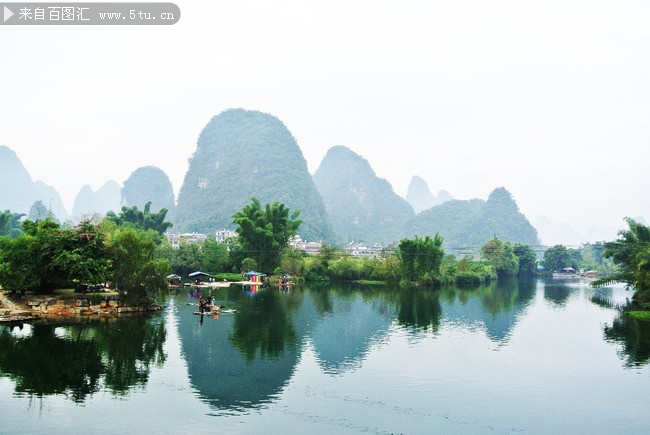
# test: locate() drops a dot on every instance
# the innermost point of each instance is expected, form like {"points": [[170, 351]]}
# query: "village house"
{"points": [[175, 239], [360, 250], [222, 235], [297, 242]]}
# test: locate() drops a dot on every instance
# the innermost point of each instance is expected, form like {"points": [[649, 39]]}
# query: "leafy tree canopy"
{"points": [[265, 232], [559, 256], [10, 224], [631, 253], [143, 220], [420, 258], [501, 255], [137, 275]]}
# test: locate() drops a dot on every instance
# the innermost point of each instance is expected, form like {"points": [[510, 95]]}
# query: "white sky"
{"points": [[549, 99]]}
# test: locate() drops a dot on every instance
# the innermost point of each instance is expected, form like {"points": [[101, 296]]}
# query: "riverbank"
{"points": [[66, 303]]}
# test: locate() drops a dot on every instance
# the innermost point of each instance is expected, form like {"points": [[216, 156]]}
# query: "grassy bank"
{"points": [[640, 315]]}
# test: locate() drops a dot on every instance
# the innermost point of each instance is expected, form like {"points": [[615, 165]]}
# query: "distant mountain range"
{"points": [[24, 192], [106, 198], [242, 154], [468, 224], [561, 233], [421, 198]]}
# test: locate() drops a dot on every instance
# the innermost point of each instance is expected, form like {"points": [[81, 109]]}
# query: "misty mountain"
{"points": [[107, 198], [361, 206], [421, 198], [149, 183], [243, 154], [471, 223], [52, 201], [561, 233], [24, 193]]}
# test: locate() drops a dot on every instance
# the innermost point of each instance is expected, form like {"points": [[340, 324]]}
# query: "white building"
{"points": [[175, 239], [222, 235], [361, 250], [297, 242]]}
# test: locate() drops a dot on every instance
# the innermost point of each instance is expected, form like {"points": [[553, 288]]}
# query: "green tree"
{"points": [[631, 253], [558, 257], [85, 258], [420, 259], [265, 232], [527, 260], [10, 225], [248, 264], [215, 256], [137, 275], [20, 266], [143, 220], [501, 255]]}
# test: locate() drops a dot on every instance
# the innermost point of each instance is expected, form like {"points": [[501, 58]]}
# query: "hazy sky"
{"points": [[549, 99]]}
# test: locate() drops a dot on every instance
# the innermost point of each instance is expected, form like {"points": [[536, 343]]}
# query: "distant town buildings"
{"points": [[297, 242], [175, 239], [222, 235], [360, 250]]}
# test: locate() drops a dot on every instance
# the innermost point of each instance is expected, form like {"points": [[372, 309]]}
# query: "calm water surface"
{"points": [[527, 357]]}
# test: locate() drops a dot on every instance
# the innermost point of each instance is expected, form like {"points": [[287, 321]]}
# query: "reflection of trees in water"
{"points": [[634, 335], [264, 324], [557, 293], [496, 305], [506, 295], [419, 309], [45, 363]]}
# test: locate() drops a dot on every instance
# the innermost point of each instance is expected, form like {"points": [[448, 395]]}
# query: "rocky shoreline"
{"points": [[43, 307]]}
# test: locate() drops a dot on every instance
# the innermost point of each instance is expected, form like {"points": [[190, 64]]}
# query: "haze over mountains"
{"points": [[421, 198], [361, 206], [242, 154]]}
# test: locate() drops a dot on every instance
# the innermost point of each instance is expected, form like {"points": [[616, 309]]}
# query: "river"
{"points": [[512, 357]]}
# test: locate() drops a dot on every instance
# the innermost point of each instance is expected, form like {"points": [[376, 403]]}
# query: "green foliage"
{"points": [[292, 263], [10, 225], [420, 259], [20, 266], [265, 232], [84, 257], [558, 257], [631, 253], [186, 259], [248, 264], [137, 275], [471, 273], [215, 256], [527, 260], [501, 256], [142, 220], [149, 184], [47, 256]]}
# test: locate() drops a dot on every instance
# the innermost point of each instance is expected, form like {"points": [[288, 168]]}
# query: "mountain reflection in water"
{"points": [[240, 361]]}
